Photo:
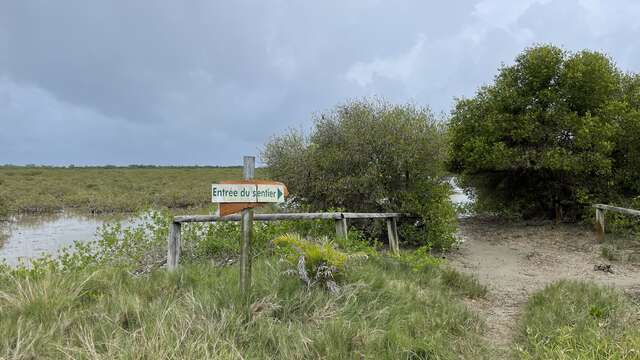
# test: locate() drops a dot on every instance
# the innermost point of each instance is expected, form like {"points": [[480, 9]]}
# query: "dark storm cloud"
{"points": [[206, 81]]}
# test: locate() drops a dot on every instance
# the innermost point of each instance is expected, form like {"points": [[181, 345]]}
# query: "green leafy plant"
{"points": [[369, 156], [420, 259], [437, 221], [316, 262], [555, 132]]}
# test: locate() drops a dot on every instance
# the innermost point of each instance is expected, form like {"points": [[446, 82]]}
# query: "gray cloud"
{"points": [[205, 82]]}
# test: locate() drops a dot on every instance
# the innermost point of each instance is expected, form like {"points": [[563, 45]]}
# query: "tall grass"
{"points": [[384, 310], [88, 302], [579, 320]]}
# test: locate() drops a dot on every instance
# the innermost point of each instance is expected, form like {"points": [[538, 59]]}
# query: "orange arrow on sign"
{"points": [[225, 209]]}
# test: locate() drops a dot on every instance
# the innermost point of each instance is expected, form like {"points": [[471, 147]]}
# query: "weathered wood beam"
{"points": [[599, 225], [247, 217], [374, 215], [290, 216], [392, 231], [341, 227], [246, 230], [173, 250], [259, 217], [617, 209]]}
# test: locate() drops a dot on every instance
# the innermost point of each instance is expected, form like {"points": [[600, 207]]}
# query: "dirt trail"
{"points": [[515, 260]]}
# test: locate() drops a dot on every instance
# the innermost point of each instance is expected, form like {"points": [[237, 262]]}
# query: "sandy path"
{"points": [[515, 260]]}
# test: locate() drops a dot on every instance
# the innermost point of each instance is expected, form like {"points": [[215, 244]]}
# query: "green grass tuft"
{"points": [[464, 284], [579, 320]]}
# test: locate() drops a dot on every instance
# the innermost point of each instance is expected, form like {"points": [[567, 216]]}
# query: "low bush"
{"points": [[437, 222], [314, 263], [623, 225], [370, 156], [420, 259], [222, 239], [316, 253]]}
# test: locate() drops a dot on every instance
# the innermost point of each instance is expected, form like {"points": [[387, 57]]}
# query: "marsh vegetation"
{"points": [[554, 133], [36, 189]]}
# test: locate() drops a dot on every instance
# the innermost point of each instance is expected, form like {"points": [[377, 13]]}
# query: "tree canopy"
{"points": [[554, 132]]}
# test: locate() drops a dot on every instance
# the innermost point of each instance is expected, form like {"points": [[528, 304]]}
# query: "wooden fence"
{"points": [[601, 208], [340, 218]]}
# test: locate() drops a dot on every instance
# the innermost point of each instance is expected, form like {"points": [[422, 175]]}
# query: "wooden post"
{"points": [[173, 252], [341, 227], [599, 225], [392, 231], [246, 230]]}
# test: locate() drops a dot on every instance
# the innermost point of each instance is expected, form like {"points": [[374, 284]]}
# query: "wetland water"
{"points": [[30, 236]]}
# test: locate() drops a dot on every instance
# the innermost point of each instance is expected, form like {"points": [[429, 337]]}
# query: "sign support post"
{"points": [[246, 230]]}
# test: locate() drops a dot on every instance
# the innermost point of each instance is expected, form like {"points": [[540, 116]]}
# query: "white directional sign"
{"points": [[247, 193]]}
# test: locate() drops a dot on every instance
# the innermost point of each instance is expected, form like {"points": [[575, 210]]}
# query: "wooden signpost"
{"points": [[242, 196]]}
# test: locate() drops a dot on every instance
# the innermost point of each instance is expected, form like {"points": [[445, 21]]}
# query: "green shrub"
{"points": [[369, 156], [221, 239], [320, 259], [420, 259], [624, 225], [437, 216], [553, 134]]}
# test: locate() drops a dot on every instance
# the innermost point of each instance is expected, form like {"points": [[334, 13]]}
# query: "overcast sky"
{"points": [[206, 81]]}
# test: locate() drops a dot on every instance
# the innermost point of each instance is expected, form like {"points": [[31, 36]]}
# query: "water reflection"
{"points": [[458, 196], [29, 236]]}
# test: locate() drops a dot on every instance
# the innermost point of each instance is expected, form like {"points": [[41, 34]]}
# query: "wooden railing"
{"points": [[340, 218], [601, 208]]}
